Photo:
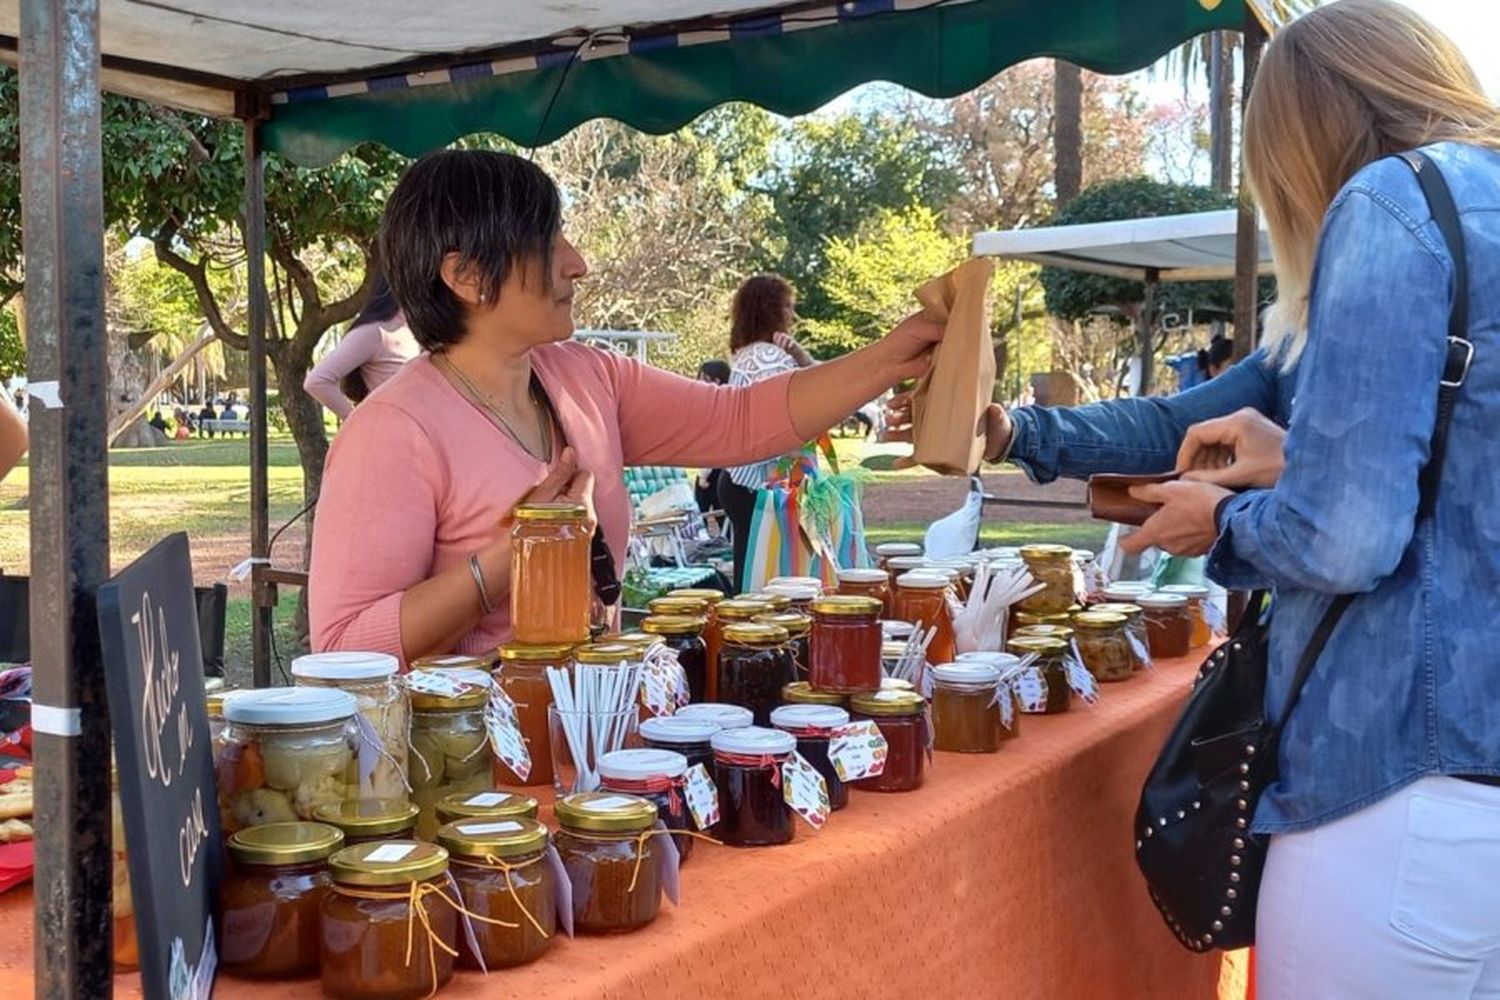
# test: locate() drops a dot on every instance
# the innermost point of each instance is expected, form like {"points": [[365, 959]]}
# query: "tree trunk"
{"points": [[1221, 112], [126, 417], [1144, 326], [1067, 131], [304, 417]]}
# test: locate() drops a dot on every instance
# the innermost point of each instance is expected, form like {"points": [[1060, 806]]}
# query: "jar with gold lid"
{"points": [[1063, 632], [455, 661], [486, 805], [362, 821], [1103, 645], [450, 750], [798, 630], [754, 665], [683, 634], [1043, 686], [522, 675], [1135, 631], [271, 896], [1052, 566], [844, 650], [1022, 619], [550, 587], [506, 884], [691, 607], [777, 602], [803, 693], [902, 719], [613, 861]]}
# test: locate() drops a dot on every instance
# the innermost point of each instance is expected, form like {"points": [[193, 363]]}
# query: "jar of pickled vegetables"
{"points": [[753, 666], [612, 860], [373, 942], [550, 587], [803, 693], [1169, 626], [747, 771], [284, 753], [270, 899], [722, 715], [713, 634], [363, 821], [874, 583], [966, 714], [845, 646], [383, 713], [1052, 567], [486, 805], [798, 631], [684, 635], [1043, 685], [923, 600], [1103, 645], [522, 674], [813, 726], [656, 776], [1197, 600], [902, 718], [449, 746], [690, 737], [501, 870]]}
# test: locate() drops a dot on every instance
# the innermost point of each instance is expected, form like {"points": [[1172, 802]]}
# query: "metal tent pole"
{"points": [[63, 203], [1247, 230], [260, 527]]}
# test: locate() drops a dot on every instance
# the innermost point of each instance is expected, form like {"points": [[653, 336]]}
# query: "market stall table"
{"points": [[1007, 875]]}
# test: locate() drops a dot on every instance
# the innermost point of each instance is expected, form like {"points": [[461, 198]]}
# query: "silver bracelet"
{"points": [[484, 594]]}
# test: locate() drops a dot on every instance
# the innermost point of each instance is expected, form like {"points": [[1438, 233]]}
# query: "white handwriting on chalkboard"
{"points": [[191, 837], [159, 691]]}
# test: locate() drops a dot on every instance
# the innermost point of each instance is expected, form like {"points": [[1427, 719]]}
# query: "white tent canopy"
{"points": [[1194, 247]]}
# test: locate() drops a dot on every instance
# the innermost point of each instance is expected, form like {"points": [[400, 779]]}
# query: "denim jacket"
{"points": [[1409, 683]]}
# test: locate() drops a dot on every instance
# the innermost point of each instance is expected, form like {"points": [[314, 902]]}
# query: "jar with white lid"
{"points": [[724, 716], [747, 770], [1169, 624], [656, 776], [284, 753], [967, 713], [1197, 598], [874, 583], [384, 717], [813, 726], [1126, 591]]}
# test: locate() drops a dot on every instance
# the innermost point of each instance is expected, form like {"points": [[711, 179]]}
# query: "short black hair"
{"points": [[494, 210], [715, 371]]}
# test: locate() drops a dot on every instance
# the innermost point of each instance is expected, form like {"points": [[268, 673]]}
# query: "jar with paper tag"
{"points": [[270, 899], [506, 883], [753, 811], [450, 749], [690, 737], [754, 664], [874, 583], [550, 587], [902, 718], [1043, 686], [1104, 646], [455, 661], [813, 727], [1135, 631], [1052, 567], [713, 633], [285, 752], [486, 805], [803, 693], [922, 599], [658, 777], [683, 634], [383, 714], [845, 644], [1026, 619], [798, 628], [1007, 666], [1169, 626], [1064, 632], [388, 927], [1197, 605], [522, 675], [613, 861], [969, 707], [364, 821]]}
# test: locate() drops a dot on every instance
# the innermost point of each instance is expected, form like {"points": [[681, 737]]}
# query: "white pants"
{"points": [[1400, 901]]}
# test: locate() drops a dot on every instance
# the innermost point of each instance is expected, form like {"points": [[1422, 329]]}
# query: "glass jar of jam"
{"points": [[368, 916], [1103, 645], [845, 645], [1169, 626], [966, 716], [363, 821], [886, 551], [813, 726], [803, 693], [1047, 676], [801, 591], [501, 871], [713, 634], [1052, 567], [285, 751], [522, 674], [874, 583], [383, 713], [690, 737], [733, 611], [684, 634], [450, 749], [1197, 600], [722, 715], [753, 666], [270, 899], [1006, 667], [902, 718], [922, 599], [550, 587], [612, 861], [798, 631], [486, 805], [747, 771], [656, 776]]}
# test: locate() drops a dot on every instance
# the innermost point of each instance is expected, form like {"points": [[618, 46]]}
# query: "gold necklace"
{"points": [[482, 398]]}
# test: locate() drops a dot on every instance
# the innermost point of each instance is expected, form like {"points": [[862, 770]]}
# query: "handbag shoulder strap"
{"points": [[1455, 369]]}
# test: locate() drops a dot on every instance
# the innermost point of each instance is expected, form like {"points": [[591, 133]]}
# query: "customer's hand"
{"points": [[998, 428], [1184, 526], [788, 343], [1242, 450]]}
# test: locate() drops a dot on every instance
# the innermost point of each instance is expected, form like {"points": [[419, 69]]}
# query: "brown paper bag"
{"points": [[949, 404]]}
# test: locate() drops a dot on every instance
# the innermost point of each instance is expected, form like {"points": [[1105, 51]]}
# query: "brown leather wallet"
{"points": [[1110, 499]]}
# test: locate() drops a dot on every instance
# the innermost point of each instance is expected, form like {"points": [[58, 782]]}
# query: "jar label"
{"points": [[1137, 640], [664, 684], [804, 790], [702, 796], [609, 803], [562, 887], [484, 829], [504, 727], [1004, 699], [671, 862], [858, 750], [435, 683], [1079, 679], [1214, 616], [1031, 690], [486, 800], [389, 854]]}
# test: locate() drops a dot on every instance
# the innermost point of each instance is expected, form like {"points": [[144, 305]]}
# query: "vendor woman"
{"points": [[411, 551]]}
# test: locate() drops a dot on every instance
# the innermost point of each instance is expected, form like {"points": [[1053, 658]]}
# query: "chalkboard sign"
{"points": [[148, 624]]}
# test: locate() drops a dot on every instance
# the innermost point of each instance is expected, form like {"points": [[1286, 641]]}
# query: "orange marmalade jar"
{"points": [[550, 588], [522, 674], [874, 583], [922, 599]]}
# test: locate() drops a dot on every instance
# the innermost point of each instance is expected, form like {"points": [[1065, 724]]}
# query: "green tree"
{"points": [[10, 185], [12, 348]]}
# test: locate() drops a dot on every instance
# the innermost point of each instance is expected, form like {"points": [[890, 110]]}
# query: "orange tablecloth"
{"points": [[1006, 876]]}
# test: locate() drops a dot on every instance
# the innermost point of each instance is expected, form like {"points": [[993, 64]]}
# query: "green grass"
{"points": [[237, 655]]}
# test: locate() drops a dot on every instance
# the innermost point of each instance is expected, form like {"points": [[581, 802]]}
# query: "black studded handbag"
{"points": [[1192, 827]]}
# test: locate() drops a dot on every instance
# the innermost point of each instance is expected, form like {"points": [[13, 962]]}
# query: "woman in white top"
{"points": [[761, 317], [375, 347]]}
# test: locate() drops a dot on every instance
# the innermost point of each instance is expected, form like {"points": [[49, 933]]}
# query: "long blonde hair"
{"points": [[1341, 86]]}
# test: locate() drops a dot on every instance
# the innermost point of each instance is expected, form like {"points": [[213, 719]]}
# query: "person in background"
{"points": [[375, 347], [1216, 357], [204, 416], [706, 482], [13, 437], [762, 315], [160, 422]]}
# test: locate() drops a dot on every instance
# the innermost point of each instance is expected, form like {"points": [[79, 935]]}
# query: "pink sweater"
{"points": [[418, 478], [378, 350]]}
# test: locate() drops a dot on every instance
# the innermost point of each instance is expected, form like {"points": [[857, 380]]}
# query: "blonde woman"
{"points": [[1385, 822]]}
